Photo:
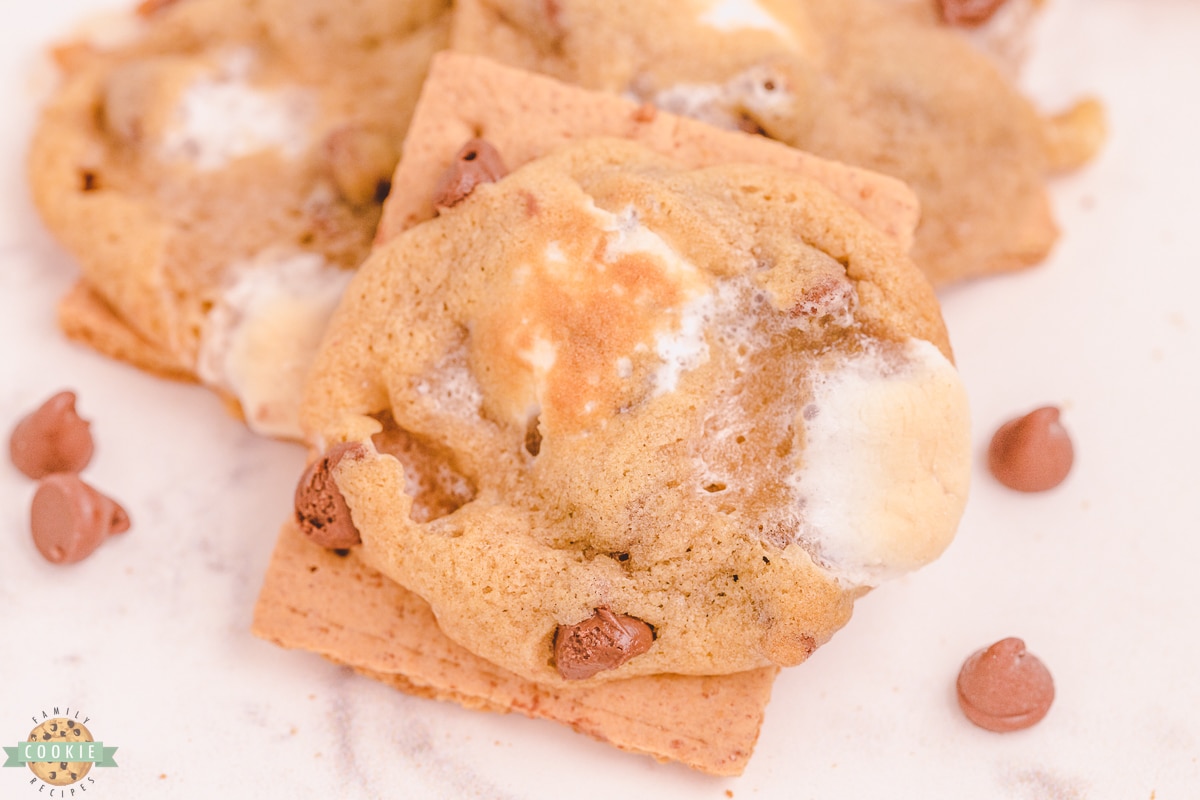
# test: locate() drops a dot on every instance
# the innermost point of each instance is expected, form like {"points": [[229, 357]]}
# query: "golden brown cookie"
{"points": [[853, 80], [219, 175], [698, 410]]}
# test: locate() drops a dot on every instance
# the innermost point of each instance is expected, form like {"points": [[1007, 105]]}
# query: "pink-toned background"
{"points": [[149, 636]]}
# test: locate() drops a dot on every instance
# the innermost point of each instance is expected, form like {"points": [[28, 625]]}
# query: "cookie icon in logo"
{"points": [[60, 730]]}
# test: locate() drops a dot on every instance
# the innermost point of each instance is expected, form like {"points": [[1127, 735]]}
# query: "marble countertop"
{"points": [[149, 637]]}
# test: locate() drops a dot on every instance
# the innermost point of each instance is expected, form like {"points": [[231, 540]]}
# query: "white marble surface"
{"points": [[149, 636]]}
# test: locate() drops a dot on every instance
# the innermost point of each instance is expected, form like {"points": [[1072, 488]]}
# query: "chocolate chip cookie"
{"points": [[703, 409]]}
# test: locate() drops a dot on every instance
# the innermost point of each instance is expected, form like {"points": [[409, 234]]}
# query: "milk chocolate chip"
{"points": [[968, 13], [1032, 453], [475, 163], [52, 439], [69, 519], [1004, 688], [321, 510], [603, 641]]}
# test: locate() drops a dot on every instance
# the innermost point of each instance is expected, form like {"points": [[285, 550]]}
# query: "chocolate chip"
{"points": [[1004, 687], [603, 641], [382, 190], [321, 510], [54, 438], [476, 162], [1032, 453], [533, 436], [69, 519], [361, 160]]}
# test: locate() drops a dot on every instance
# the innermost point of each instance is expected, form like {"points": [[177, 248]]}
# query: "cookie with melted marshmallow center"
{"points": [[741, 395], [219, 173]]}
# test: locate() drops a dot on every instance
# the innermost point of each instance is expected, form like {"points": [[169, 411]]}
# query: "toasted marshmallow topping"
{"points": [[261, 337], [221, 117], [887, 436], [611, 267]]}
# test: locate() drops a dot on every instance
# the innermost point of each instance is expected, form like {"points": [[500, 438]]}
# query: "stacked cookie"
{"points": [[623, 410]]}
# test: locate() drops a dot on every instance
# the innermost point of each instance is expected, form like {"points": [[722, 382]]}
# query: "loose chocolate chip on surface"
{"points": [[1032, 453], [54, 438], [1004, 688], [69, 519]]}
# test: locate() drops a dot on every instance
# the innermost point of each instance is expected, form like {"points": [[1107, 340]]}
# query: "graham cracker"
{"points": [[526, 116], [315, 599]]}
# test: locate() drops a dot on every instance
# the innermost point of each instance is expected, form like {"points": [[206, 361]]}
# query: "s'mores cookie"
{"points": [[609, 381], [219, 175], [706, 406], [498, 158], [867, 83]]}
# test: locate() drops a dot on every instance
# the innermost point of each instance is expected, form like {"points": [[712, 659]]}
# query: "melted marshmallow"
{"points": [[262, 335], [222, 117], [883, 477]]}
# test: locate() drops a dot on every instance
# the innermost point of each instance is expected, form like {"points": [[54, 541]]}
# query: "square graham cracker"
{"points": [[336, 606]]}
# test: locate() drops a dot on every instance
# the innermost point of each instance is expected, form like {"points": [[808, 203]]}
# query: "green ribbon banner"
{"points": [[93, 752]]}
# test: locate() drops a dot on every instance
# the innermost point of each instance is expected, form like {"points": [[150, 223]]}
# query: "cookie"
{"points": [[336, 605], [714, 404], [866, 83], [219, 176], [62, 730]]}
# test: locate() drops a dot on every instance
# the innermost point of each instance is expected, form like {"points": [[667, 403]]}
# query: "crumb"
{"points": [[162, 776]]}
